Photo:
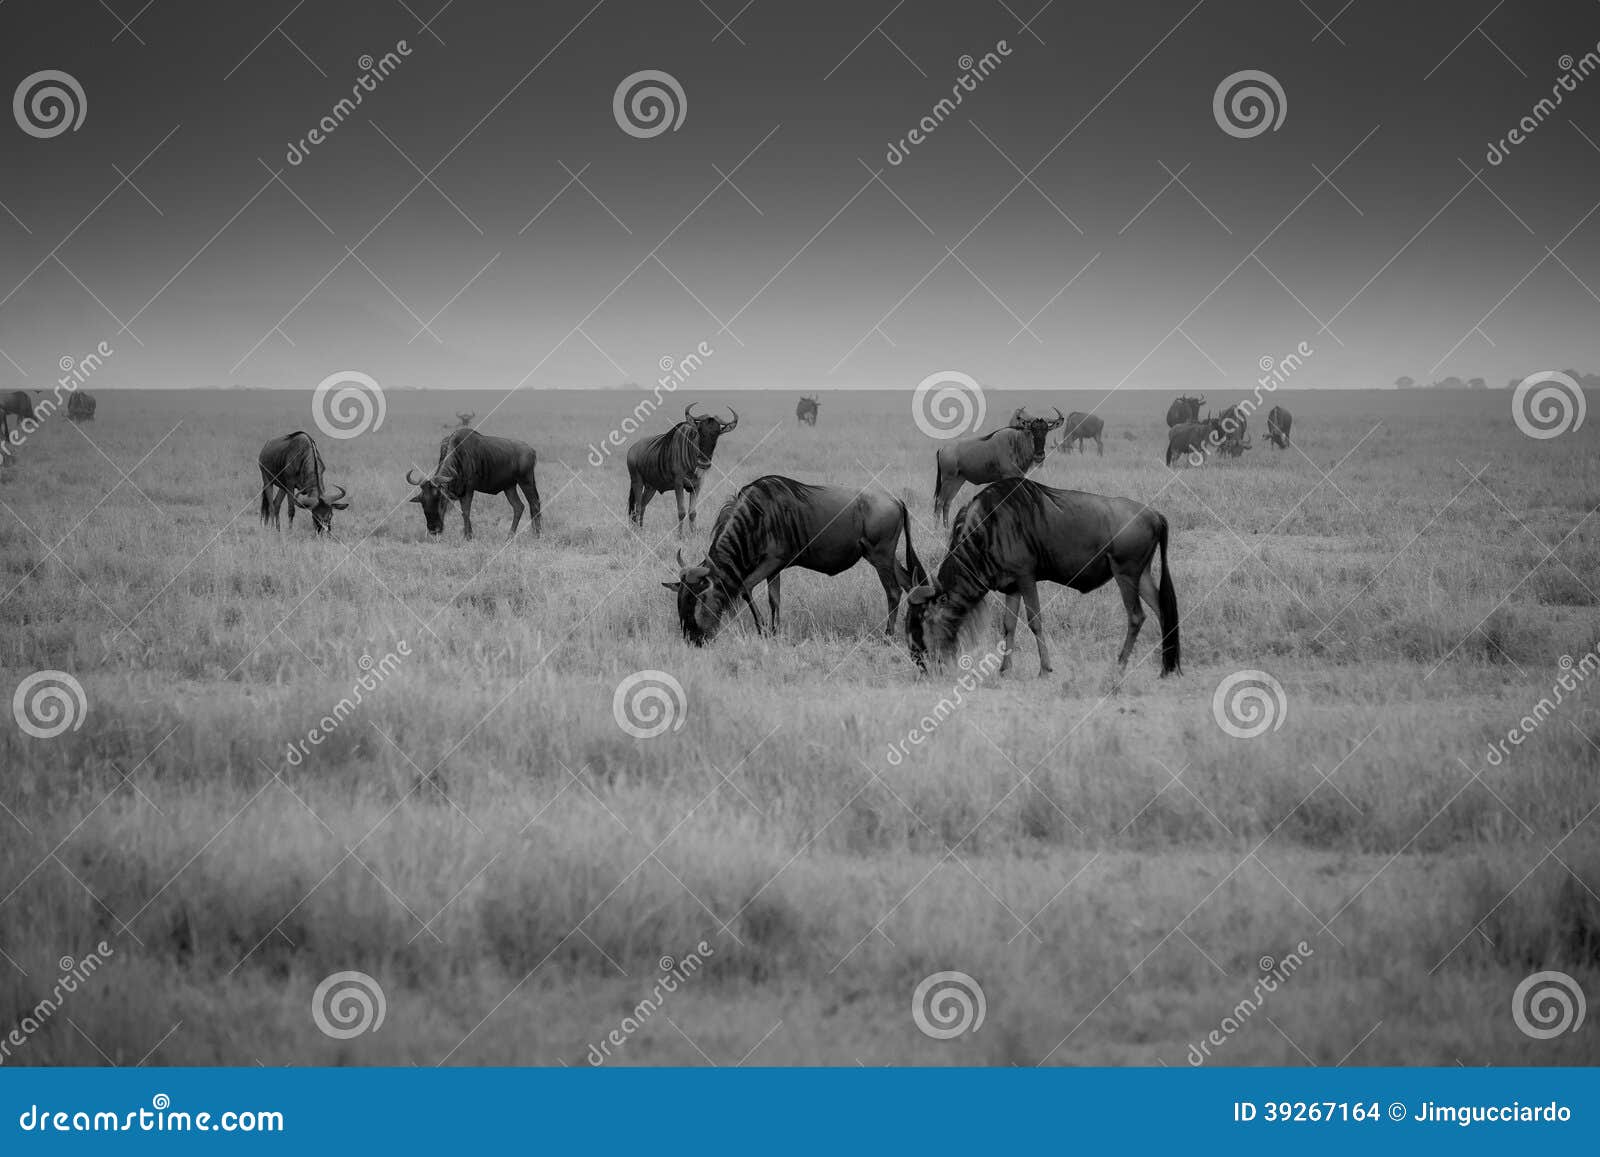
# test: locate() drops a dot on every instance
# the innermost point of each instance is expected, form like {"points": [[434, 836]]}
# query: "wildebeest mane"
{"points": [[771, 505], [461, 457], [302, 463], [986, 531]]}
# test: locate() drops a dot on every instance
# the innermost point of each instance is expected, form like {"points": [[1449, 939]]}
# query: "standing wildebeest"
{"points": [[1235, 429], [473, 463], [18, 403], [291, 466], [1278, 422], [1194, 437], [775, 523], [1184, 409], [1018, 533], [1080, 426], [674, 461], [1005, 453], [80, 406], [806, 410]]}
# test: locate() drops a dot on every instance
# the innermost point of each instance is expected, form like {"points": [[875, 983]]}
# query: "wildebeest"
{"points": [[1235, 430], [1184, 409], [291, 466], [775, 523], [1018, 533], [473, 463], [806, 410], [1279, 421], [1080, 426], [80, 406], [674, 461], [1005, 453], [1194, 437], [15, 403]]}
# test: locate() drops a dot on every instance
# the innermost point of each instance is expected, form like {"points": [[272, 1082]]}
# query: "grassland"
{"points": [[483, 839]]}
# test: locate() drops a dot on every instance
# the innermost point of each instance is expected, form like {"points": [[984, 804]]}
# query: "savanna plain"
{"points": [[482, 838]]}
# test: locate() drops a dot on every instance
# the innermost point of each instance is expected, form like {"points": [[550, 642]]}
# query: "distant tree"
{"points": [[1404, 383], [1477, 384]]}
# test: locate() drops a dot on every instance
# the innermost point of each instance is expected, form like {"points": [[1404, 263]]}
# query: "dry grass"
{"points": [[484, 839]]}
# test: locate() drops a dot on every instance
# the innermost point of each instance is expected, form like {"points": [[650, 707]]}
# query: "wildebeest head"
{"points": [[1038, 427], [928, 625], [433, 496], [708, 428], [701, 601], [321, 505]]}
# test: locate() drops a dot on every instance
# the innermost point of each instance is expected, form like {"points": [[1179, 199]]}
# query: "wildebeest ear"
{"points": [[340, 505], [921, 594], [416, 498], [675, 586]]}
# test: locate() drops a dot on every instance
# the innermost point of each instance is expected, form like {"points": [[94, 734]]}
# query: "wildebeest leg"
{"points": [[766, 569], [645, 495], [516, 508], [1008, 631], [694, 497], [889, 576], [530, 491], [948, 487], [677, 492], [773, 597], [466, 514], [1030, 599], [754, 614], [1099, 447], [278, 495], [1129, 586]]}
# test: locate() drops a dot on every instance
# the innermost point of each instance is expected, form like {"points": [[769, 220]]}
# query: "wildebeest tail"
{"points": [[913, 563], [1167, 606], [266, 506]]}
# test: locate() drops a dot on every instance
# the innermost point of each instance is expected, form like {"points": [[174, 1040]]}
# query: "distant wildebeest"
{"points": [[775, 523], [1235, 429], [674, 461], [80, 406], [1279, 421], [1184, 409], [291, 466], [1201, 437], [15, 403], [473, 463], [1080, 426], [1009, 452], [1018, 533], [463, 420], [806, 410]]}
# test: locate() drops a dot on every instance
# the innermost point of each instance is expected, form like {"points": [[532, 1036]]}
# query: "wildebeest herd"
{"points": [[1014, 534]]}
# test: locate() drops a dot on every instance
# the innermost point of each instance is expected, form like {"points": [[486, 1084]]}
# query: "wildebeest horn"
{"points": [[681, 564], [301, 500], [1060, 417], [1019, 414], [686, 414], [339, 497], [726, 426], [414, 481]]}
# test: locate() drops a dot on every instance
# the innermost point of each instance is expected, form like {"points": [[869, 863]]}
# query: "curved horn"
{"points": [[726, 426], [418, 480], [339, 497], [1060, 417], [1019, 414], [681, 564], [686, 414], [301, 500]]}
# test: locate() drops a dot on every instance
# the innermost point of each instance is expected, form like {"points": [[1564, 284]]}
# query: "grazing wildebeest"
{"points": [[1279, 421], [15, 403], [674, 461], [1018, 533], [1184, 409], [1080, 426], [775, 523], [291, 466], [1195, 437], [1005, 453], [80, 406], [473, 463], [806, 410], [1235, 428]]}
